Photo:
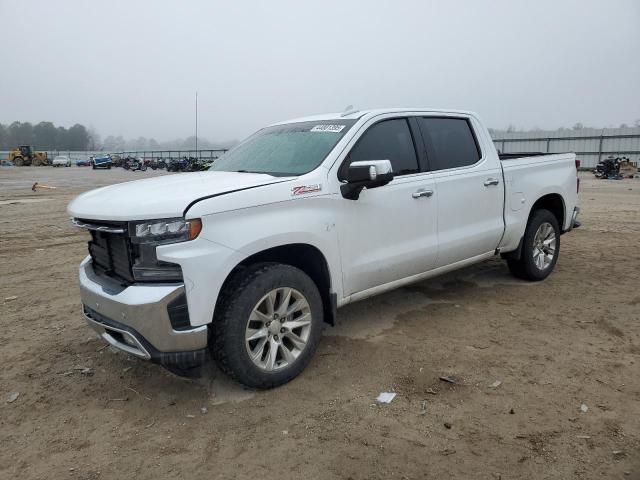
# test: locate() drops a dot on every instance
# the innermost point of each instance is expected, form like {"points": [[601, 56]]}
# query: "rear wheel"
{"points": [[540, 247], [18, 161], [267, 325]]}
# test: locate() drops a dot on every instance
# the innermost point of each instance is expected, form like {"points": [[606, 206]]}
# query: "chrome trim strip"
{"points": [[94, 226], [138, 350]]}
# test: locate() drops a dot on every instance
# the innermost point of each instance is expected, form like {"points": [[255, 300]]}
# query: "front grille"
{"points": [[111, 254]]}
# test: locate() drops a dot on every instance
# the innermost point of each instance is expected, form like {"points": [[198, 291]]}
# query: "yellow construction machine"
{"points": [[25, 156]]}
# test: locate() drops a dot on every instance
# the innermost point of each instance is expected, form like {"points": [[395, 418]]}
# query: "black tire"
{"points": [[237, 300], [525, 267]]}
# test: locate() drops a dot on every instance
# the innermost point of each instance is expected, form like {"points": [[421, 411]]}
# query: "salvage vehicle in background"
{"points": [[134, 164], [101, 161], [61, 161], [83, 162], [616, 168], [158, 164], [248, 260], [178, 165]]}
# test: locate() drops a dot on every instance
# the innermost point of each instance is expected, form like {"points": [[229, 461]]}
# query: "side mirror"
{"points": [[366, 174]]}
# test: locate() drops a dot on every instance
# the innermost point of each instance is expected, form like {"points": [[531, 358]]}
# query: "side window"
{"points": [[452, 141], [387, 140]]}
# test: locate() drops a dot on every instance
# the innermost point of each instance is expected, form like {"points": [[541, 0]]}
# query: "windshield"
{"points": [[284, 150]]}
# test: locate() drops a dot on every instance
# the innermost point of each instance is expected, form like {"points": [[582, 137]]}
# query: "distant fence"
{"points": [[168, 154], [590, 145], [146, 154]]}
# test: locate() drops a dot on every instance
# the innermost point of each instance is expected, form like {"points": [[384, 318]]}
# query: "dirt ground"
{"points": [[87, 412]]}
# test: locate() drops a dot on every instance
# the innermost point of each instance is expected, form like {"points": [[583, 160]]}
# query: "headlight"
{"points": [[147, 235], [169, 230]]}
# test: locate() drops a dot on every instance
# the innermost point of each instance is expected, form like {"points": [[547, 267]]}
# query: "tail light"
{"points": [[577, 164]]}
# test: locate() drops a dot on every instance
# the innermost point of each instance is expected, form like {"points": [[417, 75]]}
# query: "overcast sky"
{"points": [[132, 67]]}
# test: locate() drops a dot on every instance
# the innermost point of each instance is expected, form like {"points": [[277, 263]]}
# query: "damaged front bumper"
{"points": [[137, 319]]}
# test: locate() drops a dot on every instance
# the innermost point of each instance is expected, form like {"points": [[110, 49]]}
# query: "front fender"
{"points": [[309, 220]]}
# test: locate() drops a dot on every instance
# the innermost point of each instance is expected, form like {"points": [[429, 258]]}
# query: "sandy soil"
{"points": [[85, 411]]}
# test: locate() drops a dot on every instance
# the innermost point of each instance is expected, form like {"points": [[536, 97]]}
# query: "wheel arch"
{"points": [[303, 256], [554, 202]]}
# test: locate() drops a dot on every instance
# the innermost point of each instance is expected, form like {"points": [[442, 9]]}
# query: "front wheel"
{"points": [[540, 247], [267, 325]]}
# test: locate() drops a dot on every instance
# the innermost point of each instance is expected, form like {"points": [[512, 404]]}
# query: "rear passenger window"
{"points": [[388, 140], [452, 141]]}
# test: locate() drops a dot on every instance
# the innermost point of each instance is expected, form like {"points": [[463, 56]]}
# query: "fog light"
{"points": [[128, 339]]}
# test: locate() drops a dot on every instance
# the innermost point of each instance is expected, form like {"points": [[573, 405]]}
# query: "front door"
{"points": [[390, 232]]}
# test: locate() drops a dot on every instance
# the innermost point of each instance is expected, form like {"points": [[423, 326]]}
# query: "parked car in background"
{"points": [[83, 162], [61, 161], [6, 163], [247, 260], [102, 161]]}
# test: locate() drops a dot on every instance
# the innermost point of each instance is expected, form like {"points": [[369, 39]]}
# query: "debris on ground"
{"points": [[9, 299], [583, 437], [619, 453], [496, 384], [448, 379], [191, 416], [447, 425], [423, 410], [13, 396], [512, 411], [386, 397], [584, 408], [448, 451], [204, 410], [42, 187]]}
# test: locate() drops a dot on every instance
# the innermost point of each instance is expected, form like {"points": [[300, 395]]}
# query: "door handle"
{"points": [[422, 193], [491, 181]]}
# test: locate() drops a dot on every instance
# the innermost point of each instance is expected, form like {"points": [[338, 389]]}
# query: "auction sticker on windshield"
{"points": [[328, 128]]}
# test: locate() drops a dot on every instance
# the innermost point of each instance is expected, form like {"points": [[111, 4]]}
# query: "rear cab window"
{"points": [[451, 142]]}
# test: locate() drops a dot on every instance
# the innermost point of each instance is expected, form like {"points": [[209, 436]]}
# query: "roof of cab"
{"points": [[358, 114]]}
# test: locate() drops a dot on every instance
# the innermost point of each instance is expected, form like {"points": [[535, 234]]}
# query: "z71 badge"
{"points": [[302, 189]]}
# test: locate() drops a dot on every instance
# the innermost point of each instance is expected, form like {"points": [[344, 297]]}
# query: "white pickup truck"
{"points": [[247, 261]]}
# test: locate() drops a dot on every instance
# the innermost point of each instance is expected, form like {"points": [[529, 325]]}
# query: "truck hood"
{"points": [[162, 197]]}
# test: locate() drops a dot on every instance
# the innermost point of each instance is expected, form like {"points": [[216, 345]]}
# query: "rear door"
{"points": [[470, 193], [389, 233]]}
